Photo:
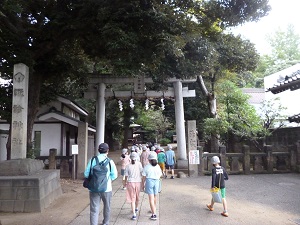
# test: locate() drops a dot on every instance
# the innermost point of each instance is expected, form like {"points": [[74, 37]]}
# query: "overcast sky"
{"points": [[283, 12]]}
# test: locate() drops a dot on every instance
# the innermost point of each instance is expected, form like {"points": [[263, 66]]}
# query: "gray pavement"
{"points": [[252, 199]]}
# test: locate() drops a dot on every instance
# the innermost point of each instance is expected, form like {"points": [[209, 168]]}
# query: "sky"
{"points": [[283, 12]]}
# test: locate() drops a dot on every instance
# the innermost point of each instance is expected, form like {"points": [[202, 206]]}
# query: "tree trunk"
{"points": [[8, 144], [211, 102], [126, 123], [35, 82]]}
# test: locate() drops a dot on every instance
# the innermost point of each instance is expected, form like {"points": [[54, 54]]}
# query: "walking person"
{"points": [[125, 160], [133, 179], [151, 182], [105, 196], [170, 161], [161, 159], [144, 156], [219, 175]]}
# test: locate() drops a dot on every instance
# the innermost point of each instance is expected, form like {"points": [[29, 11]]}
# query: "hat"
{"points": [[144, 147], [152, 155], [162, 149], [134, 156], [169, 146], [215, 160], [103, 148], [153, 148], [124, 150]]}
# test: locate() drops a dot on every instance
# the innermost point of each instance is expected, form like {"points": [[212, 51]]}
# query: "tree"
{"points": [[236, 118], [59, 39], [285, 52]]}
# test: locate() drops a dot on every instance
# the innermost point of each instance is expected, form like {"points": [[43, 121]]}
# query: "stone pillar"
{"points": [[82, 141], [246, 161], [268, 151], [293, 157], [201, 166], [222, 150], [192, 148], [19, 112], [180, 128], [298, 157], [52, 160], [100, 116]]}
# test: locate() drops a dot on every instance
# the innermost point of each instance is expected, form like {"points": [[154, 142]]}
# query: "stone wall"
{"points": [[282, 138], [31, 193]]}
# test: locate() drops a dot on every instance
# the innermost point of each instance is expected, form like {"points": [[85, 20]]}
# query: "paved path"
{"points": [[252, 199]]}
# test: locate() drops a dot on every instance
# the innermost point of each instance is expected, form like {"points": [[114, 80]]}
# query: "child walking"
{"points": [[125, 160], [133, 180], [219, 175], [151, 175]]}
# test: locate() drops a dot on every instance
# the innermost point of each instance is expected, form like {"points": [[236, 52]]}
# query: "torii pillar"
{"points": [[182, 161], [100, 115]]}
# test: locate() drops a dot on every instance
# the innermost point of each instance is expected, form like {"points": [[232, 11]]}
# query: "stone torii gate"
{"points": [[97, 90]]}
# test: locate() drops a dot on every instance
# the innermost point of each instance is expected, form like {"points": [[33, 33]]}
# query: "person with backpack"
{"points": [[219, 175], [133, 181], [151, 182], [100, 171]]}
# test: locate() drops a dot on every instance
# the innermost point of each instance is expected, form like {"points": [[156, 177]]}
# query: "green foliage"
{"points": [[164, 141], [273, 114], [235, 115], [285, 52]]}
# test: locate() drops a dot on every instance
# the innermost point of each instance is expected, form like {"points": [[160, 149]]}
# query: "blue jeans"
{"points": [[95, 199]]}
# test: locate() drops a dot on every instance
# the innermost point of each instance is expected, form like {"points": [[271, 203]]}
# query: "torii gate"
{"points": [[97, 90]]}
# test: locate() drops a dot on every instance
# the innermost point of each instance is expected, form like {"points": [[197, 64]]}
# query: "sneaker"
{"points": [[136, 210], [166, 176], [133, 217], [210, 208], [124, 188], [172, 177], [153, 217], [224, 214]]}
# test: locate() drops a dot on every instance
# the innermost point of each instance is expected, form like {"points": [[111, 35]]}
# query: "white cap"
{"points": [[134, 156], [124, 150], [152, 155]]}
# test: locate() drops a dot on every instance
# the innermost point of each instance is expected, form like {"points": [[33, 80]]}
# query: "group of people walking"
{"points": [[142, 170]]}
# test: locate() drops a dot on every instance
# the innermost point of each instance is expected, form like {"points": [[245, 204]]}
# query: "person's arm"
{"points": [[213, 178], [113, 170], [87, 169]]}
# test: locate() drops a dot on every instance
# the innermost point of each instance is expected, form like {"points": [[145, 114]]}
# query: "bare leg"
{"points": [[152, 201], [224, 204]]}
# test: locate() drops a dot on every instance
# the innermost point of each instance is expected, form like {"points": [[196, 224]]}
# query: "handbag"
{"points": [[86, 181], [216, 193]]}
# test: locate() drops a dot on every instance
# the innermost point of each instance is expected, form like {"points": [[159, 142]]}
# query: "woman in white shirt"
{"points": [[151, 175], [133, 180]]}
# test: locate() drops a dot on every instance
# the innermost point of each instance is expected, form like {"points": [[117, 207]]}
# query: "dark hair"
{"points": [[153, 162], [132, 162], [123, 156]]}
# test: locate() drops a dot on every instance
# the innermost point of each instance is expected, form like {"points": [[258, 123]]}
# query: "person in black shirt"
{"points": [[219, 175]]}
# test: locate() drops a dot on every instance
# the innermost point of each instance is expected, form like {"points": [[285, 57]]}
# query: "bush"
{"points": [[164, 141]]}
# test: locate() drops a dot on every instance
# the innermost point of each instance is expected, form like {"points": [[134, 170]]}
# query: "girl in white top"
{"points": [[151, 178], [133, 180]]}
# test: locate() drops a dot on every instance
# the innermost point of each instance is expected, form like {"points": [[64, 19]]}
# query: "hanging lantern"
{"points": [[131, 103], [162, 104], [120, 105], [147, 104]]}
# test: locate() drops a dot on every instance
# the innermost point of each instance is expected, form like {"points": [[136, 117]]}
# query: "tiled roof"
{"points": [[295, 118], [290, 81]]}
